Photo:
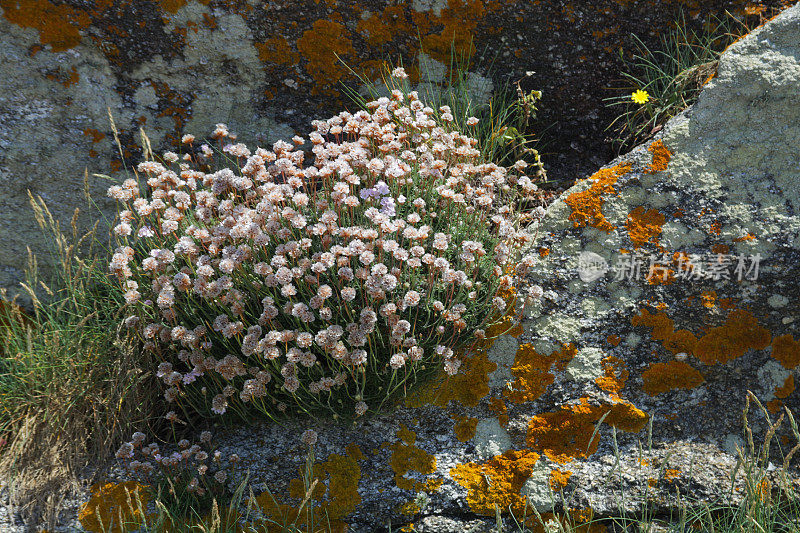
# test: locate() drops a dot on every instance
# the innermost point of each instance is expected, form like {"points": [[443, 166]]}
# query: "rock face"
{"points": [[670, 290], [267, 69]]}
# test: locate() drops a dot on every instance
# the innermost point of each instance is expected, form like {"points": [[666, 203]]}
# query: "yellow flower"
{"points": [[640, 97]]}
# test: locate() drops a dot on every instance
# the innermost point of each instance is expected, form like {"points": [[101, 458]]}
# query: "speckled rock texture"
{"points": [[625, 377], [267, 69]]}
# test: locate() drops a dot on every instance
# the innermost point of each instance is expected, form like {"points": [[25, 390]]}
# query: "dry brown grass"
{"points": [[73, 384]]}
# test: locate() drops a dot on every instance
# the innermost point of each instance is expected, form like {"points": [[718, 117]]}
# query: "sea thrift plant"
{"points": [[276, 286], [194, 472]]}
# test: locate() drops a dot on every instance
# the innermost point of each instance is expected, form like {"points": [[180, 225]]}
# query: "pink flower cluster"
{"points": [[325, 285]]}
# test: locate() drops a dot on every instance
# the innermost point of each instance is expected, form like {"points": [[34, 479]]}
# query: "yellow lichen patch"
{"points": [[664, 330], [559, 479], [320, 46], [465, 428], [587, 206], [615, 374], [661, 157], [531, 371], [644, 226], [432, 485], [114, 507], [565, 435], [786, 351], [277, 50], [663, 377], [407, 457], [58, 25], [739, 333], [342, 474], [497, 482], [381, 28]]}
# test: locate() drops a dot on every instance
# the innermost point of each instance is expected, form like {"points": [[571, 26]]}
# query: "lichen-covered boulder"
{"points": [[669, 291], [629, 374]]}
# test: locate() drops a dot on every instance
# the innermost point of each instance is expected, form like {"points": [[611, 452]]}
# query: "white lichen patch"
{"points": [[586, 365], [595, 307], [557, 326], [217, 93], [777, 301], [537, 488], [502, 353], [771, 376], [490, 438]]}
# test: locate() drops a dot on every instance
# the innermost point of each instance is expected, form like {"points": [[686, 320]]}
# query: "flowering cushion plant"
{"points": [[275, 287]]}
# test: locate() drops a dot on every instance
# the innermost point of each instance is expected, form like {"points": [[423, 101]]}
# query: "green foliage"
{"points": [[673, 74]]}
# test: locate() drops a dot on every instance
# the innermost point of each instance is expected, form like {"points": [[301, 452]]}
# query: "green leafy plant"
{"points": [[662, 82]]}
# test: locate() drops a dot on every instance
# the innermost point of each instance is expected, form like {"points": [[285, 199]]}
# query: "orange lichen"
{"points": [[786, 351], [465, 428], [709, 299], [559, 479], [615, 374], [661, 157], [496, 483], [381, 28], [614, 340], [587, 206], [342, 472], [407, 457], [458, 23], [671, 474], [471, 384], [775, 405], [544, 252], [720, 248], [114, 507], [664, 330], [321, 46], [95, 135], [663, 377], [786, 389], [277, 50], [748, 237], [531, 371], [644, 226], [58, 25], [739, 333], [499, 408], [565, 435]]}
